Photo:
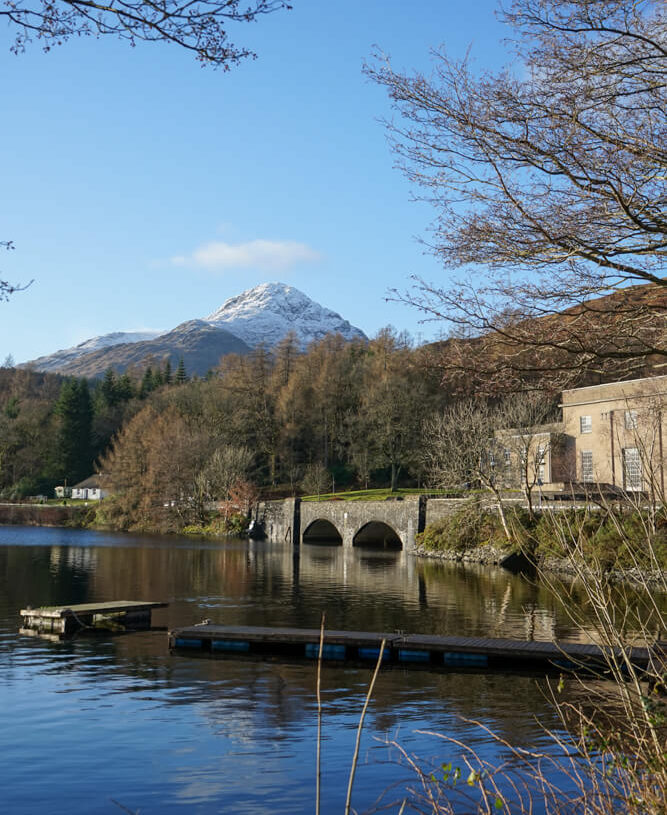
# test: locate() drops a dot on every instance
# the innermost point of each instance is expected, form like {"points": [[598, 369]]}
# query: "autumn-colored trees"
{"points": [[349, 412], [547, 179], [339, 414]]}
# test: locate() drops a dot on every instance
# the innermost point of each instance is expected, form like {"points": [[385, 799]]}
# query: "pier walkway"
{"points": [[404, 649], [66, 620]]}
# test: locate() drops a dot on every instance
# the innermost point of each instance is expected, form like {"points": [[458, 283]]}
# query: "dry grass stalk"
{"points": [[355, 757], [319, 716]]}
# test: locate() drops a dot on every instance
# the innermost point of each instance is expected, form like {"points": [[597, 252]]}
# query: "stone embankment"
{"points": [[45, 514], [487, 555], [483, 554]]}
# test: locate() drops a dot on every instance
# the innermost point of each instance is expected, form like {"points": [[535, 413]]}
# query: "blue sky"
{"points": [[142, 190]]}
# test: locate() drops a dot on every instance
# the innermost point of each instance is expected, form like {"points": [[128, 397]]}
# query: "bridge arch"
{"points": [[322, 531], [378, 535]]}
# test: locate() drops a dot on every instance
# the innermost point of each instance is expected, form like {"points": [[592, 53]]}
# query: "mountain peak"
{"points": [[263, 315], [268, 312]]}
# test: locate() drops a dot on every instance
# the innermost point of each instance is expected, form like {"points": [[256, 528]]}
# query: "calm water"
{"points": [[97, 720]]}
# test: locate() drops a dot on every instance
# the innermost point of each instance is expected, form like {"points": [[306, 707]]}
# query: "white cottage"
{"points": [[93, 488]]}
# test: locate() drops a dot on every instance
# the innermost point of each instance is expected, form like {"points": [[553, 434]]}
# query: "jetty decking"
{"points": [[65, 620], [409, 650]]}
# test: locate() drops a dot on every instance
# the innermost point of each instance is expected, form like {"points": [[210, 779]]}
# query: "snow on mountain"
{"points": [[60, 359], [266, 313], [199, 344]]}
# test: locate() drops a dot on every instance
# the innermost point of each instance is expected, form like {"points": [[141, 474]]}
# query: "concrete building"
{"points": [[616, 434], [610, 436], [540, 455]]}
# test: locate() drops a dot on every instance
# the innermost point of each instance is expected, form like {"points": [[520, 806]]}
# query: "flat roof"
{"points": [[613, 384]]}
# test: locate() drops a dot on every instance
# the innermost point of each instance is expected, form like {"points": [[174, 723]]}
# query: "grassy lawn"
{"points": [[372, 495]]}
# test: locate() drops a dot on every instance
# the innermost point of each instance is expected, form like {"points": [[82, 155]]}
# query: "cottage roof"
{"points": [[98, 481]]}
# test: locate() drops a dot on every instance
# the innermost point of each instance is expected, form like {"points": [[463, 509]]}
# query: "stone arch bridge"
{"points": [[392, 524]]}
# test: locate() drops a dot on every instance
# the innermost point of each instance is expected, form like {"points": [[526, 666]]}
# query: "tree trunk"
{"points": [[395, 471], [501, 512]]}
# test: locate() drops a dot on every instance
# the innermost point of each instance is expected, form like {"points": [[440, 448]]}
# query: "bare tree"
{"points": [[200, 26], [227, 465], [527, 440], [461, 449], [551, 177], [316, 479]]}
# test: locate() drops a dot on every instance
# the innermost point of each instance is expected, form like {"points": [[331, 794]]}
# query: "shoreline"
{"points": [[79, 516], [486, 555]]}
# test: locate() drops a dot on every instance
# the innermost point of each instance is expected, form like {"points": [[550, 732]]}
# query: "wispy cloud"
{"points": [[267, 256]]}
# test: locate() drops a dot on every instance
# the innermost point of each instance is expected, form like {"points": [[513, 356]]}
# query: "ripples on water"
{"points": [[101, 718]]}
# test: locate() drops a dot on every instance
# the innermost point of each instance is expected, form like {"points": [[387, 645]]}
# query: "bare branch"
{"points": [[200, 26], [552, 180]]}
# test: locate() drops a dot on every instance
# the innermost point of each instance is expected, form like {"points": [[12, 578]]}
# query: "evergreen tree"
{"points": [[75, 410], [12, 408], [167, 372], [107, 389], [181, 374], [146, 383], [125, 388]]}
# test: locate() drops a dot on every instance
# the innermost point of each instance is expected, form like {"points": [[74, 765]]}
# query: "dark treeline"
{"points": [[339, 415], [53, 429]]}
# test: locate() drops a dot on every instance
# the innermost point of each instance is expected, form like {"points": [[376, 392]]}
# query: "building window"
{"points": [[585, 424], [587, 466], [541, 459], [630, 419], [632, 469], [508, 458]]}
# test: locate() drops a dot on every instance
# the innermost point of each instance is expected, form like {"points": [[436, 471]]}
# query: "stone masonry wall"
{"points": [[277, 518], [350, 516]]}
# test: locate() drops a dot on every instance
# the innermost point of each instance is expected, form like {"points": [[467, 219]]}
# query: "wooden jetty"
{"points": [[65, 620], [409, 650]]}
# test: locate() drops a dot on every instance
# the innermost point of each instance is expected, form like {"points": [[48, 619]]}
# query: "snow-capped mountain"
{"points": [[266, 313], [59, 360], [199, 344]]}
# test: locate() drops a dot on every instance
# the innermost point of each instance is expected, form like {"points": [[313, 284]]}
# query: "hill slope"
{"points": [[198, 343], [264, 315]]}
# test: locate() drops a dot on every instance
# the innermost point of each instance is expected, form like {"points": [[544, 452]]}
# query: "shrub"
{"points": [[468, 527], [611, 538]]}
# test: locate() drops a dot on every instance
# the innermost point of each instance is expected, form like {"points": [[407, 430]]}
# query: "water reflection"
{"points": [[185, 735], [260, 584]]}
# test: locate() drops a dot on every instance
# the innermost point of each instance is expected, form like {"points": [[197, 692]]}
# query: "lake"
{"points": [[106, 724]]}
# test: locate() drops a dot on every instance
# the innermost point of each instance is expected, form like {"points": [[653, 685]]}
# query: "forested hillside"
{"points": [[53, 429], [339, 414]]}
